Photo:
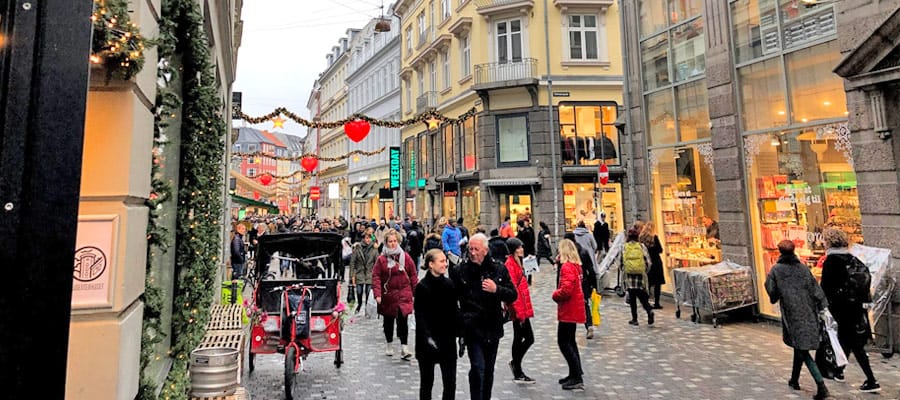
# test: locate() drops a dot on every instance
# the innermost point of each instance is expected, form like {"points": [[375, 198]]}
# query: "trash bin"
{"points": [[214, 372]]}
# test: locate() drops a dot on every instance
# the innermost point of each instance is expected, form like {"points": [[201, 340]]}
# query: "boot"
{"points": [[590, 332], [821, 392], [389, 350], [405, 353]]}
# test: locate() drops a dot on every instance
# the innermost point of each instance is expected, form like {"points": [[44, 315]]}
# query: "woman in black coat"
{"points": [[852, 319], [656, 277], [526, 235], [437, 326]]}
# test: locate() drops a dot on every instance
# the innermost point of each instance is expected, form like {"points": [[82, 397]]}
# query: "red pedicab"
{"points": [[301, 315]]}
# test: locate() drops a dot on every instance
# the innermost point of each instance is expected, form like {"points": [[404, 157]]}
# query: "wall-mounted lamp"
{"points": [[776, 141]]}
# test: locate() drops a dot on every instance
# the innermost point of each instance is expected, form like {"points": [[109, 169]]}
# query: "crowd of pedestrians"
{"points": [[473, 283]]}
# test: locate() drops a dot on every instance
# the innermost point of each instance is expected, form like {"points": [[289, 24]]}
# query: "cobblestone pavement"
{"points": [[673, 359]]}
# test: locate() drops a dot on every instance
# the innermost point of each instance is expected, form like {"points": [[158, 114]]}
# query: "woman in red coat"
{"points": [[570, 312], [394, 281], [520, 310]]}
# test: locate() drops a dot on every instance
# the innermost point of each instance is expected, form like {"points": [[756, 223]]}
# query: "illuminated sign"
{"points": [[395, 167]]}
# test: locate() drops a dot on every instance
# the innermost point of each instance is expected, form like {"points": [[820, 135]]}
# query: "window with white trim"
{"points": [[421, 74], [409, 40], [421, 26], [445, 65], [445, 9], [465, 59], [584, 37], [433, 71], [508, 36]]}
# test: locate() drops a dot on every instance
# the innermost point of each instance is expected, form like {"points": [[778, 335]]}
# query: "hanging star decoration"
{"points": [[278, 122], [433, 123]]}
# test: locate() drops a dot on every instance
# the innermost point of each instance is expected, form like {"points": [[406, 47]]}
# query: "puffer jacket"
{"points": [[585, 239], [568, 296], [521, 308], [361, 262], [395, 284]]}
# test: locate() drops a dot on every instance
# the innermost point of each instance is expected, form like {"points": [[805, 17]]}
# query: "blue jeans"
{"points": [[237, 271], [482, 357]]}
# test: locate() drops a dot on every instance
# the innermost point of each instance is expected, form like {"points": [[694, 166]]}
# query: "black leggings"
{"points": [[448, 377], [801, 357], [402, 327], [861, 357], [633, 296], [523, 338], [362, 295], [565, 338]]}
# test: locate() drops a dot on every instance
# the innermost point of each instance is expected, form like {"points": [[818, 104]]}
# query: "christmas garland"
{"points": [[116, 42], [431, 117], [309, 155]]}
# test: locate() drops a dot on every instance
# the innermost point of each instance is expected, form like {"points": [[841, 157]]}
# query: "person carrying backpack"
{"points": [[635, 264], [846, 281]]}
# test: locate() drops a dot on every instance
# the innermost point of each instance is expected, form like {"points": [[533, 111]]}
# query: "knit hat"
{"points": [[512, 244]]}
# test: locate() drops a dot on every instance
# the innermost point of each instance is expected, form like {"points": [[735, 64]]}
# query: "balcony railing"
{"points": [[425, 101], [512, 73]]}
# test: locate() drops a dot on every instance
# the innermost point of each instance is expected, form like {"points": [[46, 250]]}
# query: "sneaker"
{"points": [[838, 377], [405, 353], [650, 318], [657, 307], [633, 322], [574, 384], [794, 385], [870, 387], [590, 332], [564, 380], [523, 379], [389, 350]]}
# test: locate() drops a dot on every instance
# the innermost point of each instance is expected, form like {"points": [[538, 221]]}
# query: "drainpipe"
{"points": [[551, 122], [632, 171]]}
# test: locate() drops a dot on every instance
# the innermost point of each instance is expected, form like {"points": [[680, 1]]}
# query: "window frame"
{"points": [[523, 46], [517, 163], [575, 105], [599, 30], [465, 50], [445, 68]]}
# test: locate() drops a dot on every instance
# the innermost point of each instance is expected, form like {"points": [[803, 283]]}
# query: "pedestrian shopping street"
{"points": [[673, 359]]}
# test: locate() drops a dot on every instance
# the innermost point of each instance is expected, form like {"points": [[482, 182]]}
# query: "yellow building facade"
{"points": [[533, 148]]}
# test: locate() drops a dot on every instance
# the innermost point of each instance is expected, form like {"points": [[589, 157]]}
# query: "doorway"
{"points": [[518, 206]]}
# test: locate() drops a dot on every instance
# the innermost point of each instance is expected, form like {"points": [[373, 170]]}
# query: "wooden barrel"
{"points": [[214, 372]]}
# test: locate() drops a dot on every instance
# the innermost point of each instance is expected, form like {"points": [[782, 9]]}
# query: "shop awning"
{"points": [[364, 189], [254, 203], [512, 182]]}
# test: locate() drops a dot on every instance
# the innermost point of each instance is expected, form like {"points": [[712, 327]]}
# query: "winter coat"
{"points": [[415, 241], [656, 275], [437, 318], [450, 238], [497, 249], [238, 255], [521, 308], [480, 309], [584, 238], [361, 262], [506, 230], [394, 285], [433, 242], [569, 296], [544, 249], [526, 235], [791, 283], [852, 319], [601, 234]]}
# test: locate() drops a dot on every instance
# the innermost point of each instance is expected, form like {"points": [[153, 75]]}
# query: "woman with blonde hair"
{"points": [[569, 298], [394, 279], [656, 276]]}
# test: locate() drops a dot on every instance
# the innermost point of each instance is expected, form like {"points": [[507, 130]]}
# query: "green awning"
{"points": [[255, 203]]}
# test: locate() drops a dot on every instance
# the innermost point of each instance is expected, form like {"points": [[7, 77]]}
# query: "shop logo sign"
{"points": [[90, 262], [395, 167]]}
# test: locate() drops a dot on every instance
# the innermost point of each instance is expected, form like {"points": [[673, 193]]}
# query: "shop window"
{"points": [[512, 139], [755, 29], [684, 204], [693, 111], [584, 202], [762, 95], [816, 92], [682, 10], [437, 162], [470, 152], [588, 134], [655, 58], [471, 207], [688, 50], [423, 155], [661, 118], [652, 16], [449, 149], [801, 182]]}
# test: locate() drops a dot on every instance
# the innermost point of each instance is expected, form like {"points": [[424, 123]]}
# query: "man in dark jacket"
{"points": [[415, 240], [497, 246], [601, 233], [464, 233], [238, 255], [481, 285]]}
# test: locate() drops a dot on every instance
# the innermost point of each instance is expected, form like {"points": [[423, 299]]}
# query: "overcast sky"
{"points": [[283, 51]]}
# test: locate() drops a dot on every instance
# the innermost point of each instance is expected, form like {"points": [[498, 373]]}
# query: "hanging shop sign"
{"points": [[334, 191], [315, 193], [603, 174], [395, 167]]}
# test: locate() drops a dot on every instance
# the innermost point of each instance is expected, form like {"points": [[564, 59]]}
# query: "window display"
{"points": [[588, 134], [581, 204], [684, 201], [471, 207], [801, 182]]}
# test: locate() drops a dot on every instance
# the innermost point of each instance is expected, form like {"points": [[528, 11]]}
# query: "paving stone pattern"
{"points": [[673, 359]]}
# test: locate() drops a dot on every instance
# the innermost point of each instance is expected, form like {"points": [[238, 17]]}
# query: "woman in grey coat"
{"points": [[791, 283]]}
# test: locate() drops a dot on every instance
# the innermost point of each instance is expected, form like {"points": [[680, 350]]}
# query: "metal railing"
{"points": [[494, 72], [425, 101]]}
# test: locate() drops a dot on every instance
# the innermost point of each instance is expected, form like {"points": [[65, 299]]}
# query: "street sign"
{"points": [[603, 174], [315, 193], [560, 94]]}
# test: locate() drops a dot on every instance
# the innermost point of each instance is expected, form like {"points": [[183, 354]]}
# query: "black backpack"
{"points": [[859, 280]]}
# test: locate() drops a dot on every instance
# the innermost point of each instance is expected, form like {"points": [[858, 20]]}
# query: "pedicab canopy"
{"points": [[313, 256]]}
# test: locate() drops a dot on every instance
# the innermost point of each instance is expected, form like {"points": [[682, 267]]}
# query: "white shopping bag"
{"points": [[530, 265], [840, 359], [371, 306]]}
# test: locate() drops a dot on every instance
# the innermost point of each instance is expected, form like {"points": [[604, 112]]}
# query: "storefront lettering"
{"points": [[791, 196]]}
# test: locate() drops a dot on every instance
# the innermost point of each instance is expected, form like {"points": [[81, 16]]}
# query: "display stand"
{"points": [[683, 231], [881, 315], [716, 289]]}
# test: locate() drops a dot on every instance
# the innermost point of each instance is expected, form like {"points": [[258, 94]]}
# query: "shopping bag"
{"points": [[595, 307], [840, 359], [530, 265], [411, 321], [371, 307]]}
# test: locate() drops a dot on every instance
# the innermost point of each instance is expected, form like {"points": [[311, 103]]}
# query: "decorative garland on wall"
{"points": [[430, 117], [116, 42], [310, 155]]}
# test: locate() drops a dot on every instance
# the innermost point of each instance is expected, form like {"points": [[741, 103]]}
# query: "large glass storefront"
{"points": [[451, 192], [517, 205], [584, 202], [471, 206], [588, 134]]}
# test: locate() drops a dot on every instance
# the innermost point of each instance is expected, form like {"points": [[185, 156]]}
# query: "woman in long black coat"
{"points": [[437, 326], [656, 277]]}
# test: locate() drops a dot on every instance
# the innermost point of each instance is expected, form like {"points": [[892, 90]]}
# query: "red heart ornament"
{"points": [[309, 163], [256, 196], [266, 179], [357, 130]]}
